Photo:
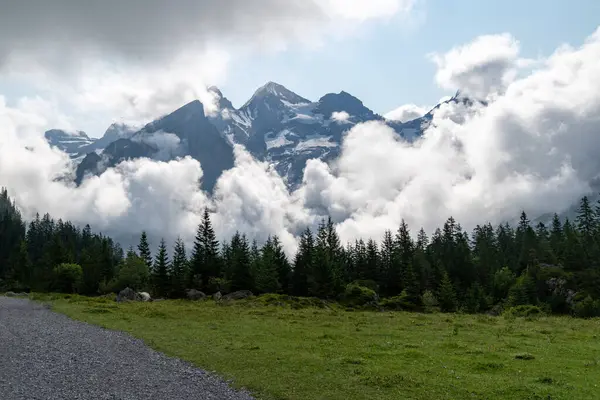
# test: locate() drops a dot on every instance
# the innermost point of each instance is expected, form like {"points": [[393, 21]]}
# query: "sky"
{"points": [[383, 61], [533, 147], [387, 65]]}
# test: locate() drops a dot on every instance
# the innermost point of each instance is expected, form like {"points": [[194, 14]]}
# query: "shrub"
{"points": [[430, 302], [523, 311], [356, 295], [368, 284], [401, 302], [67, 278], [587, 308], [133, 273]]}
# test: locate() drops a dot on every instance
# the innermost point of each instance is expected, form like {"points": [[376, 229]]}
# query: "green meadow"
{"points": [[316, 351]]}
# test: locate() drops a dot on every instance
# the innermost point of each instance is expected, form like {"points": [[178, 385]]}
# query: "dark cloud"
{"points": [[142, 29]]}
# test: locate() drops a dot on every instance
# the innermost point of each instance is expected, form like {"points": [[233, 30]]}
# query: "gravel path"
{"points": [[47, 356]]}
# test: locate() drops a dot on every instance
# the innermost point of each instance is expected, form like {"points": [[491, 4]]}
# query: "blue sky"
{"points": [[387, 65]]}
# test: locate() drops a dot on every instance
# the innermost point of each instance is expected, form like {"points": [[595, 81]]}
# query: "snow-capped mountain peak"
{"points": [[272, 91], [71, 143], [276, 125]]}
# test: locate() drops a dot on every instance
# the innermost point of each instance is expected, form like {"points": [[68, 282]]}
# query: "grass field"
{"points": [[312, 354]]}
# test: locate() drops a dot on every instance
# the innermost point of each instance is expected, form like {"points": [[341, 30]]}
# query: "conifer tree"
{"points": [[282, 265], [322, 274], [446, 294], [386, 262], [180, 269], [557, 239], [241, 277], [265, 270], [160, 272], [144, 250], [303, 264], [205, 259]]}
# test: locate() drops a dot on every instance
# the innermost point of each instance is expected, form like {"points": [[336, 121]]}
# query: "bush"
{"points": [[523, 311], [430, 302], [368, 284], [133, 273], [67, 278], [282, 300], [587, 308], [356, 295], [398, 303]]}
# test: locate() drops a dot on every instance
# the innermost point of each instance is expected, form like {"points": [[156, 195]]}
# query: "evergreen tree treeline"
{"points": [[556, 267]]}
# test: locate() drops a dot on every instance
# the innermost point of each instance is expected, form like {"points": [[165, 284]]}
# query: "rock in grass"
{"points": [[239, 295], [217, 296], [524, 356], [193, 294], [128, 294], [144, 296]]}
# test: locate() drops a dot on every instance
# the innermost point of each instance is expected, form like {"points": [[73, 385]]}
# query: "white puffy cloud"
{"points": [[407, 112], [340, 117], [482, 67], [534, 147], [362, 10]]}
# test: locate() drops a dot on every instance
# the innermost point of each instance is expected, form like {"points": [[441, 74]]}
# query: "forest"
{"points": [[494, 268]]}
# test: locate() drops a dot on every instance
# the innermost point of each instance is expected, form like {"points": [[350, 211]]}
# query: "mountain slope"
{"points": [[275, 125], [286, 129], [184, 132], [73, 143]]}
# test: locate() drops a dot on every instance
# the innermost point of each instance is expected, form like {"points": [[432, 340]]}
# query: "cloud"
{"points": [[534, 147], [407, 112], [340, 117], [485, 66], [362, 10], [135, 60]]}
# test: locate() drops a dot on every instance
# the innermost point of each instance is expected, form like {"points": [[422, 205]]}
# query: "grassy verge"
{"points": [[328, 353]]}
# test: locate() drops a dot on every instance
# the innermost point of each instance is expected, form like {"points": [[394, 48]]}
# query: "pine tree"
{"points": [[447, 295], [241, 277], [402, 260], [557, 239], [359, 257], [322, 274], [144, 250], [372, 261], [586, 225], [386, 262], [526, 240], [265, 270], [205, 260], [180, 269], [303, 264], [282, 266], [160, 272]]}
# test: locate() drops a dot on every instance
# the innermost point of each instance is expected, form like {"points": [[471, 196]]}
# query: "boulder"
{"points": [[144, 296], [217, 296], [239, 295], [193, 294], [128, 294], [10, 294]]}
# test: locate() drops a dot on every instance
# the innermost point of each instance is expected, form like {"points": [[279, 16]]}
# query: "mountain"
{"points": [[114, 132], [287, 130], [186, 131], [275, 125], [72, 143]]}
